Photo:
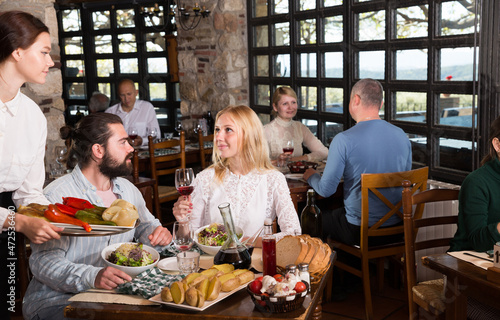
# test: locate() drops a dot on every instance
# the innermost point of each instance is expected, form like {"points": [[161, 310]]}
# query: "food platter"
{"points": [[98, 230], [222, 296]]}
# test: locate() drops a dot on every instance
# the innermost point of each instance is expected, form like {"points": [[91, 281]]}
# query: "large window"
{"points": [[102, 44], [423, 52]]}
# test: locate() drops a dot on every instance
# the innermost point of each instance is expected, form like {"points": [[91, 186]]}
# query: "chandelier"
{"points": [[188, 20]]}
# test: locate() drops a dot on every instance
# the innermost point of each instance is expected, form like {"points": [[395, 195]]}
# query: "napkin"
{"points": [[171, 251], [480, 259], [102, 297], [149, 283]]}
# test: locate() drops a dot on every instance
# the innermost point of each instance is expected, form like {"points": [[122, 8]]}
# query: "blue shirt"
{"points": [[62, 268], [374, 146]]}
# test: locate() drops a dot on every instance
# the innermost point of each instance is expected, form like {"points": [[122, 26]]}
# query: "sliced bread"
{"points": [[288, 250]]}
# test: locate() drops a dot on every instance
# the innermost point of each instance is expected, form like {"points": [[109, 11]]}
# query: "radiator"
{"points": [[435, 209]]}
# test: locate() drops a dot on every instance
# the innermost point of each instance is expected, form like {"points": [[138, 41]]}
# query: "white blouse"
{"points": [[252, 197], [279, 131]]}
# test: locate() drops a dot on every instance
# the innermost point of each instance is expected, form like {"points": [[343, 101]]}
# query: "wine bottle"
{"points": [[269, 249], [310, 218]]}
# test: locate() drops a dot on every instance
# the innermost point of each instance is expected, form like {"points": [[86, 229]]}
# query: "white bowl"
{"points": [[131, 271], [212, 250]]}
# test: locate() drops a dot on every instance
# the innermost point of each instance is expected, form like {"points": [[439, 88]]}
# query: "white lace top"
{"points": [[278, 131], [253, 198]]}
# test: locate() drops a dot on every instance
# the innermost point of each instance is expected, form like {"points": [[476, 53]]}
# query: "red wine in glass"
{"points": [[184, 247], [133, 136], [288, 150], [185, 190]]}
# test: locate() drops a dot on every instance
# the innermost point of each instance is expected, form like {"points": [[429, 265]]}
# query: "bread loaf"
{"points": [[288, 250], [303, 248]]}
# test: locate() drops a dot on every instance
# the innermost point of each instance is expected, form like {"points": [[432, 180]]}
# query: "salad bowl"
{"points": [[212, 250], [131, 271]]}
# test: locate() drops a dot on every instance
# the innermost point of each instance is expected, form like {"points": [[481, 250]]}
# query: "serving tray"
{"points": [[98, 230]]}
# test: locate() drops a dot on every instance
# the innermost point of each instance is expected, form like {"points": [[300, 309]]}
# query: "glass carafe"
{"points": [[232, 251]]}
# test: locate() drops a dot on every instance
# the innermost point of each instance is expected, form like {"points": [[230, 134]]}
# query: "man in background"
{"points": [[135, 113], [99, 102]]}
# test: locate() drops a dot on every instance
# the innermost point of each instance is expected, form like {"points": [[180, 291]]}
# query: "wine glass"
{"points": [[60, 153], [152, 132], [183, 181], [133, 134], [178, 127], [288, 147], [182, 235]]}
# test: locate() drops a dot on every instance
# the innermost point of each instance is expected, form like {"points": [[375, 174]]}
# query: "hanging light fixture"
{"points": [[188, 20]]}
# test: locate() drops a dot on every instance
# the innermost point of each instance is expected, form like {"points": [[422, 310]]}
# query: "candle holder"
{"points": [[189, 21]]}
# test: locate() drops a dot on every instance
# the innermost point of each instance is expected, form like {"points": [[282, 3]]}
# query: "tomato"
{"points": [[278, 277], [262, 303], [255, 286], [260, 278], [299, 287]]}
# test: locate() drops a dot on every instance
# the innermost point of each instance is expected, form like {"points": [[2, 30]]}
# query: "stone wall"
{"points": [[213, 60], [48, 95]]}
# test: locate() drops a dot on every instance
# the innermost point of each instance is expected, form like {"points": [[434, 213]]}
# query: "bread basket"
{"points": [[265, 303]]}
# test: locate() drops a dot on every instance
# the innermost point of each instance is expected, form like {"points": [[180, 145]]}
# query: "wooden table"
{"points": [[463, 279], [298, 192], [237, 306]]}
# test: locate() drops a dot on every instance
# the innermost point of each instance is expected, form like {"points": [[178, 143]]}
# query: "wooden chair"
{"points": [[205, 152], [161, 165], [24, 273], [428, 294], [373, 184]]}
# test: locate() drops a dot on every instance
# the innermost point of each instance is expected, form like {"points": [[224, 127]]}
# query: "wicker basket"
{"points": [[266, 303]]}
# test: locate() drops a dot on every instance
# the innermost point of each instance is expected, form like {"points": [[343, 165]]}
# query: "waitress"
{"points": [[24, 57]]}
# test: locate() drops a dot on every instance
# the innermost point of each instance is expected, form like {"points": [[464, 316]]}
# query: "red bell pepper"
{"points": [[66, 209], [80, 204], [55, 215]]}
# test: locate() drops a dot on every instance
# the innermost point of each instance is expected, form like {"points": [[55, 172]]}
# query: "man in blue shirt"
{"points": [[371, 146]]}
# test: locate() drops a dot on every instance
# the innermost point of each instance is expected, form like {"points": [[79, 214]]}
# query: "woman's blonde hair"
{"points": [[280, 92], [252, 144]]}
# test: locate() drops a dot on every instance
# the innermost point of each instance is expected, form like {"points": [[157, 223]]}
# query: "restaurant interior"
{"points": [[437, 61]]}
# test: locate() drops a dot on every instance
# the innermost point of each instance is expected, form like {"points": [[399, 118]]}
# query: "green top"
{"points": [[479, 210]]}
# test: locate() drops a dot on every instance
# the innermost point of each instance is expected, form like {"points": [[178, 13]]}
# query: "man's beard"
{"points": [[111, 169]]}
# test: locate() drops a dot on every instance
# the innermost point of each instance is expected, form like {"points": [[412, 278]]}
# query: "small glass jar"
{"points": [[304, 273]]}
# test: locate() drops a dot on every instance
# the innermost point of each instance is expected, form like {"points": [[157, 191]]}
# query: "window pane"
{"points": [[312, 125], [73, 45], [126, 43], [333, 29], [456, 18], [261, 36], [153, 16], [418, 148], [125, 18], [334, 100], [262, 66], [282, 34], [334, 65], [411, 64], [101, 20], [308, 31], [104, 67], [155, 42], [280, 6], [371, 26], [263, 95], [308, 98], [456, 154], [158, 91], [332, 129], [457, 63], [75, 68], [372, 64], [331, 3], [308, 65], [456, 110], [306, 5], [260, 8], [103, 44], [411, 106], [157, 65], [282, 65], [412, 22], [71, 20], [104, 88], [76, 90], [129, 65]]}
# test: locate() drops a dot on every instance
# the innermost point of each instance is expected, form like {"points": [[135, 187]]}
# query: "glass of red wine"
{"points": [[288, 147], [133, 134], [184, 182]]}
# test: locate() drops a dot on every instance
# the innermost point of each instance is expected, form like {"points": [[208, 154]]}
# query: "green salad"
{"points": [[131, 255]]}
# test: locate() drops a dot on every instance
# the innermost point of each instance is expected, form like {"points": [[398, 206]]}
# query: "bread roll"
{"points": [[123, 214]]}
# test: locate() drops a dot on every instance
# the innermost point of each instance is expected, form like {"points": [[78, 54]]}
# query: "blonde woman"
{"points": [[283, 129], [242, 175]]}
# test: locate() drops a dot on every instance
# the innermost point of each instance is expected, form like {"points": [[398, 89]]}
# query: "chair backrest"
{"points": [[374, 183], [135, 164], [163, 162], [413, 221], [204, 152]]}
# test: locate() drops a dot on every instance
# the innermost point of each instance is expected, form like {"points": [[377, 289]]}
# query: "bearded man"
{"points": [[62, 268]]}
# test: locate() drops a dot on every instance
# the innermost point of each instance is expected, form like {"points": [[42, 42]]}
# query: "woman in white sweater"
{"points": [[242, 174], [283, 129]]}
